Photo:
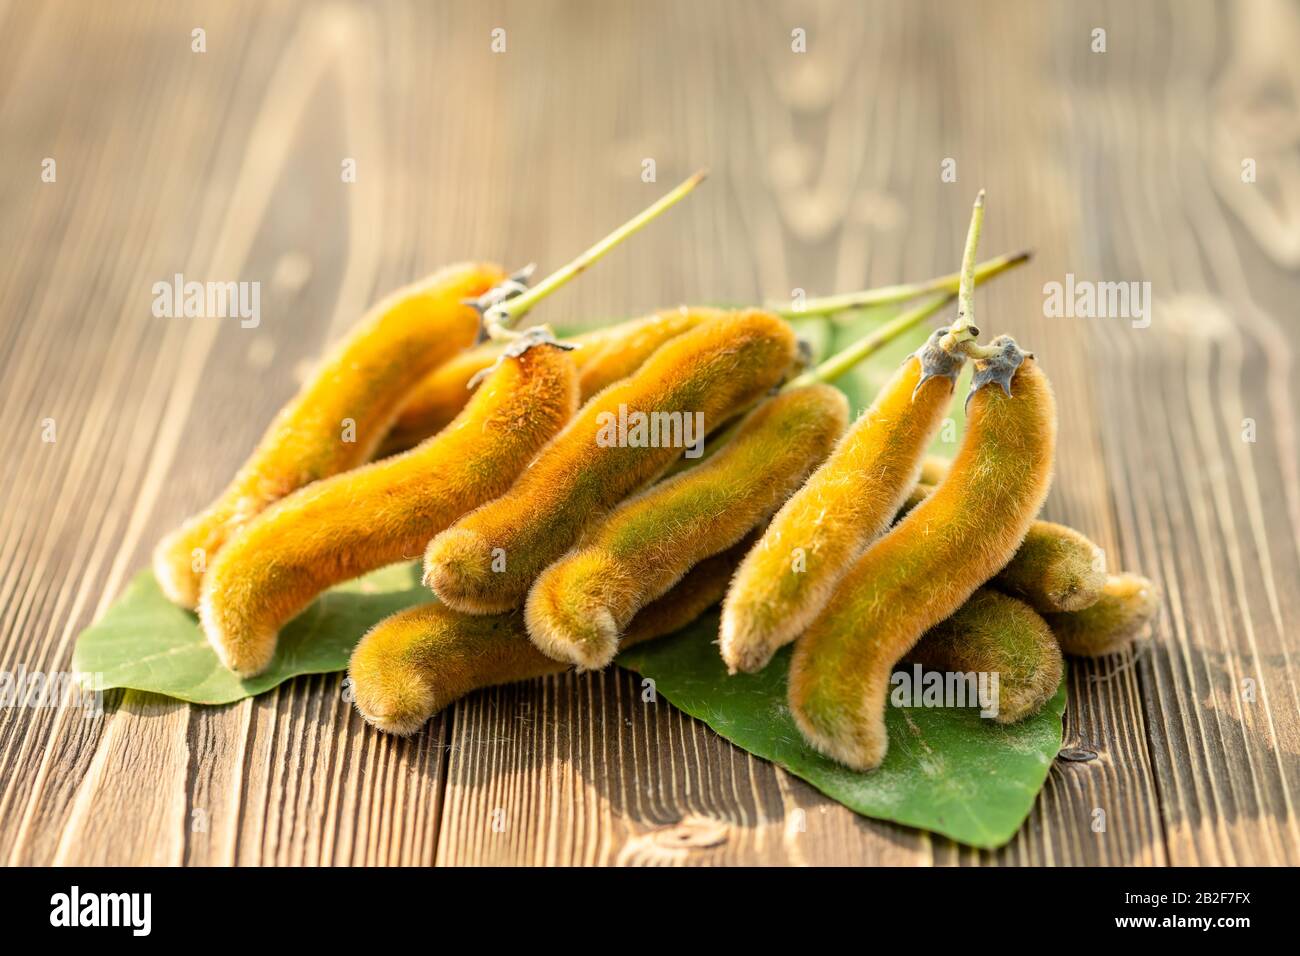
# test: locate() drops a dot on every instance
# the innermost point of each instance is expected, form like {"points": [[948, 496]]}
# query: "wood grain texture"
{"points": [[225, 165]]}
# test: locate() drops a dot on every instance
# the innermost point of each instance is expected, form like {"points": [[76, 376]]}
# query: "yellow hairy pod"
{"points": [[413, 664], [846, 504], [624, 348], [337, 419], [579, 606], [342, 527], [1124, 612], [603, 356], [439, 398], [995, 634], [933, 468], [930, 563], [1056, 568], [702, 587], [487, 560], [914, 497]]}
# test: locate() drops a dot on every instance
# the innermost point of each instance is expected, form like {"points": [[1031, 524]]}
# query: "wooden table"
{"points": [[827, 175]]}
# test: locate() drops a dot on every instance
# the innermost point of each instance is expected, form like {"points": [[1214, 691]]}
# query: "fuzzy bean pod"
{"points": [[846, 504], [1056, 568], [928, 564], [995, 634], [415, 663], [579, 606], [919, 493], [441, 394], [342, 527], [624, 348], [1124, 612], [702, 587], [603, 356], [338, 418], [439, 398], [933, 468], [486, 562]]}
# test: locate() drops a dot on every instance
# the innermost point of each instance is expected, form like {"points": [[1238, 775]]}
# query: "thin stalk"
{"points": [[502, 317], [891, 294], [963, 333], [844, 360], [966, 291]]}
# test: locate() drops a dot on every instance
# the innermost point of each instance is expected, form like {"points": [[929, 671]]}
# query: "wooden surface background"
{"points": [[225, 165]]}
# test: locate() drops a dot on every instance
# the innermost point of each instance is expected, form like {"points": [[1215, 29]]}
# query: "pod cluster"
{"points": [[564, 508]]}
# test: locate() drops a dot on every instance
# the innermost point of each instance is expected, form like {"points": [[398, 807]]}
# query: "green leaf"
{"points": [[947, 770], [147, 643]]}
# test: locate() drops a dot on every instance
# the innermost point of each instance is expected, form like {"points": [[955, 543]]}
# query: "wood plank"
{"points": [[1122, 165]]}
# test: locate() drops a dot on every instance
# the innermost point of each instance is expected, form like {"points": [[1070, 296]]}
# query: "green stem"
{"points": [[844, 360], [501, 318], [870, 344], [891, 294], [966, 291], [963, 333]]}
